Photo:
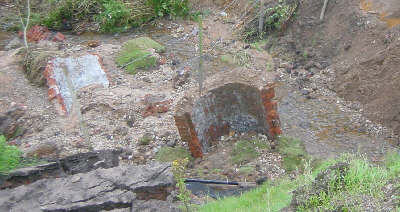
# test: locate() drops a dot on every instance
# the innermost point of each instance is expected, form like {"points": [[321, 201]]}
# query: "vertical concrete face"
{"points": [[82, 71], [232, 107]]}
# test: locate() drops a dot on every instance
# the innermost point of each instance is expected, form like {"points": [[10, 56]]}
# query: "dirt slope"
{"points": [[359, 40]]}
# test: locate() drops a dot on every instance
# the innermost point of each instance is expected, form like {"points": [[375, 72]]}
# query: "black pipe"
{"points": [[220, 182]]}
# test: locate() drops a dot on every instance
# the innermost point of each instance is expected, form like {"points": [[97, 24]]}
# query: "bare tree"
{"points": [[25, 21]]}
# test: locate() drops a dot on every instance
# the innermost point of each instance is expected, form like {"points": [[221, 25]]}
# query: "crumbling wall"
{"points": [[237, 107]]}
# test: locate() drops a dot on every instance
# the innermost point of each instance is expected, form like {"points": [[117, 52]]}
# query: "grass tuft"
{"points": [[10, 156], [169, 154], [245, 151], [293, 153]]}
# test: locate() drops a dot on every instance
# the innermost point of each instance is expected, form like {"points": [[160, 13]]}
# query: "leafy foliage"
{"points": [[114, 17], [10, 156], [174, 8], [178, 170]]}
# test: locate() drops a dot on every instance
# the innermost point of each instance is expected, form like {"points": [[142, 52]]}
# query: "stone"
{"points": [[58, 37], [101, 189], [74, 164], [66, 75], [155, 104], [42, 150], [181, 77], [9, 121]]}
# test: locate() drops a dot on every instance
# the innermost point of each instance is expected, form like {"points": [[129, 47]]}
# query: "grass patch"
{"points": [[145, 140], [136, 54], [293, 153], [245, 151], [342, 192], [169, 154], [10, 156]]}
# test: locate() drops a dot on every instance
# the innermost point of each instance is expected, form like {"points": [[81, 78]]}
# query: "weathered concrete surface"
{"points": [[101, 189], [74, 164], [233, 104], [64, 74]]}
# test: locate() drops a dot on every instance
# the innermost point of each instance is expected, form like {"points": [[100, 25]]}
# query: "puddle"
{"points": [[386, 10]]}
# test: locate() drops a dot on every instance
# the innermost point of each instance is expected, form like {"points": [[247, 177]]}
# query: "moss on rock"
{"points": [[137, 54]]}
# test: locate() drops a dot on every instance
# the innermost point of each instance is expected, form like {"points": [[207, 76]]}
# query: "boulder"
{"points": [[74, 164], [102, 189]]}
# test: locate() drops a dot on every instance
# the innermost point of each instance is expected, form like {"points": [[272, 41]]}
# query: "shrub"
{"points": [[174, 8], [114, 17], [10, 156]]}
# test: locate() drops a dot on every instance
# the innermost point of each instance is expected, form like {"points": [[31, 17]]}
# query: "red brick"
{"points": [[59, 37]]}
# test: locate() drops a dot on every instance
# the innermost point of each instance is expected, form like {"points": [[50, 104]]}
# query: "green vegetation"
{"points": [[115, 17], [169, 154], [10, 156], [174, 8], [276, 19], [109, 15], [178, 170], [293, 153], [325, 188], [245, 151], [136, 54], [145, 140]]}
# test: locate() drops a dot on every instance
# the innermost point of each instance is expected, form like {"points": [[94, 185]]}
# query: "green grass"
{"points": [[10, 156], [137, 53], [145, 140], [268, 197], [293, 153], [345, 191], [245, 151], [169, 154]]}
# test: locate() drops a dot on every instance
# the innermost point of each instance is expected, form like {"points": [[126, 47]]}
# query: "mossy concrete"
{"points": [[138, 54]]}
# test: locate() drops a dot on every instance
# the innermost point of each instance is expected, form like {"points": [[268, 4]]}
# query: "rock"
{"points": [[181, 77], [153, 205], [171, 143], [58, 37], [101, 189], [180, 29], [74, 164], [42, 150], [9, 124], [13, 44], [155, 104]]}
